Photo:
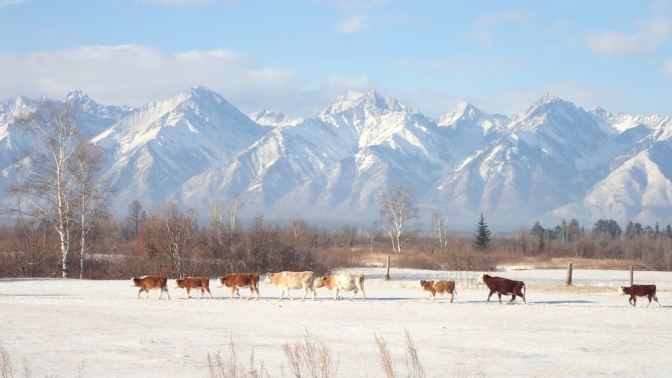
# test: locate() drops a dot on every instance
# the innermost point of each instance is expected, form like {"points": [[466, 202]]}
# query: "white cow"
{"points": [[345, 282], [286, 281]]}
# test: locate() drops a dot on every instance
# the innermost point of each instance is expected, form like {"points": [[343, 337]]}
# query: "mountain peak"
{"points": [[547, 98], [77, 97], [358, 100]]}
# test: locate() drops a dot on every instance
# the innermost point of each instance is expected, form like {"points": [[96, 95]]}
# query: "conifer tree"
{"points": [[482, 242]]}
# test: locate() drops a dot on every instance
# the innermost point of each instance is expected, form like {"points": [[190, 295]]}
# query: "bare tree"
{"points": [[438, 227], [374, 233], [175, 233], [234, 206], [92, 194], [396, 210], [216, 216], [45, 183], [134, 217]]}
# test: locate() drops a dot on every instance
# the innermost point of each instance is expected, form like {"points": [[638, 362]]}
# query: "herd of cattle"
{"points": [[286, 281]]}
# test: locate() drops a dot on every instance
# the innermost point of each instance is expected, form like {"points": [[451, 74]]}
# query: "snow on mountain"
{"points": [[638, 186], [549, 161], [158, 147], [274, 118]]}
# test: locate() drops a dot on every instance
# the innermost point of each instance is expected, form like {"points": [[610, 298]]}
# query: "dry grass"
{"points": [[7, 368], [228, 366], [311, 358]]}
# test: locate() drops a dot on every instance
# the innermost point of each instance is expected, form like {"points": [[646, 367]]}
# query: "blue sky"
{"points": [[297, 56]]}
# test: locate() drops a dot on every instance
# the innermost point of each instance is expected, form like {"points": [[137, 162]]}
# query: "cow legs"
{"points": [[281, 294], [363, 295], [139, 291], [631, 300], [500, 298], [655, 298], [160, 293], [289, 295], [353, 294], [513, 298], [335, 293], [167, 293], [233, 289], [305, 292], [451, 297], [188, 296], [489, 295], [249, 295]]}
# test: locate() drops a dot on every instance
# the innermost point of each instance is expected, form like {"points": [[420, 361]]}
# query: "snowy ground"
{"points": [[55, 324]]}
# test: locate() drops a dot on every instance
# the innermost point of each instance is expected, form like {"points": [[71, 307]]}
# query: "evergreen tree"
{"points": [[482, 241], [542, 243]]}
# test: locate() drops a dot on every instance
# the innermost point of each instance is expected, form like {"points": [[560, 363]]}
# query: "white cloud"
{"points": [[482, 36], [520, 16], [11, 2], [355, 24], [649, 37], [666, 67], [134, 75]]}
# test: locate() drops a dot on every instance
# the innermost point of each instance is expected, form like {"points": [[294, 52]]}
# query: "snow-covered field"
{"points": [[56, 324]]}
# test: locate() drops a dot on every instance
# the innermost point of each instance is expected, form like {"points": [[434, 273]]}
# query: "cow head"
{"points": [[134, 281], [622, 290], [178, 283], [320, 282], [481, 278], [221, 281], [269, 277], [421, 284]]}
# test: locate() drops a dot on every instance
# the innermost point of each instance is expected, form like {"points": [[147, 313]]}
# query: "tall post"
{"points": [[387, 268], [631, 275], [569, 274]]}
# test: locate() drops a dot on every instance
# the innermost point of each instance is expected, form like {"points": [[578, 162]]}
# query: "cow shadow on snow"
{"points": [[581, 301]]}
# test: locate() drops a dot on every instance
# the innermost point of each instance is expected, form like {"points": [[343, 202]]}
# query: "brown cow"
{"points": [[188, 283], [147, 283], [635, 291], [240, 280], [504, 286], [442, 286]]}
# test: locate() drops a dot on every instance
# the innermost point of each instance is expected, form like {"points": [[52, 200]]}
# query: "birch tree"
{"points": [[234, 206], [92, 194], [45, 183], [396, 210]]}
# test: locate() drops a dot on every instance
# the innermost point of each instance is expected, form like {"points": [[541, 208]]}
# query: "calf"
{"points": [[195, 283], [442, 286], [240, 280], [292, 280], [504, 286], [147, 283], [345, 282], [635, 291]]}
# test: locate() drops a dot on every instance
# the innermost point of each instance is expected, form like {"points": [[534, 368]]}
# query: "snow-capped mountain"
{"points": [[158, 147], [550, 160]]}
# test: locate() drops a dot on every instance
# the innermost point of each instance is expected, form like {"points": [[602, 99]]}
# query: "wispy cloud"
{"points": [[135, 75], [361, 15], [649, 37], [482, 36], [520, 16], [355, 24], [11, 2], [449, 65], [666, 67]]}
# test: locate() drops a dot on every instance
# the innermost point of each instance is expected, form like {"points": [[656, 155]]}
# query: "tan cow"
{"points": [[147, 283], [189, 283], [241, 280], [286, 281], [345, 282], [442, 286]]}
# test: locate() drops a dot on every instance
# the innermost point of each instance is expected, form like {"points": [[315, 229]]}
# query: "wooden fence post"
{"points": [[631, 275], [387, 269], [569, 274]]}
